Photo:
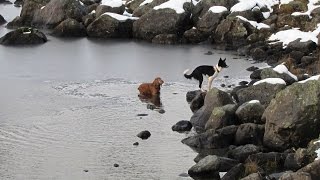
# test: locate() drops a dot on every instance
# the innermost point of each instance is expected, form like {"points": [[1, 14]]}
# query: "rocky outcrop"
{"points": [[250, 112], [292, 118], [111, 26], [214, 98], [156, 22], [70, 28], [23, 36]]}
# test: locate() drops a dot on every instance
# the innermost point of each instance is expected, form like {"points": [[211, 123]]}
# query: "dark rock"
{"points": [[211, 165], [2, 20], [195, 36], [253, 176], [313, 169], [184, 175], [144, 9], [192, 94], [295, 175], [258, 54], [270, 73], [234, 91], [226, 76], [300, 158], [86, 170], [197, 102], [162, 21], [307, 60], [23, 36], [142, 114], [296, 55], [209, 21], [144, 134], [305, 47], [5, 2], [241, 153], [249, 133], [256, 74], [107, 26], [90, 2], [101, 9], [223, 85], [214, 98], [70, 28], [263, 92], [115, 165], [211, 139], [243, 83], [250, 112], [88, 19], [222, 117], [161, 111], [292, 118], [136, 144], [133, 5], [165, 39], [236, 172], [182, 126]]}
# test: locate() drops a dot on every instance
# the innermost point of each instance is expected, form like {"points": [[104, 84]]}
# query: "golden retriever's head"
{"points": [[158, 81]]}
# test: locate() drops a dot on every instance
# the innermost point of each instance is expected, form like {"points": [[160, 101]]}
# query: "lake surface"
{"points": [[68, 108]]}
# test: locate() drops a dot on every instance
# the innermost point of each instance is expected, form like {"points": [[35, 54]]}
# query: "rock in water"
{"points": [[182, 126], [23, 36], [144, 134]]}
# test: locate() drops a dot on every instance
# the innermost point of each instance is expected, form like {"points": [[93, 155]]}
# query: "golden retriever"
{"points": [[151, 89]]}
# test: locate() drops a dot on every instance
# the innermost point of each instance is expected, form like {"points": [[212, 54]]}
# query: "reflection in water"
{"points": [[154, 100]]}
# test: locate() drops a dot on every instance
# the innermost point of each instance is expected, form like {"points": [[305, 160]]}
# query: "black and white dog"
{"points": [[211, 71]]}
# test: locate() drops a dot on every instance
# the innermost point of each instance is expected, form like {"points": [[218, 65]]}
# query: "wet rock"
{"points": [[182, 126], [106, 26], [101, 9], [197, 102], [165, 39], [250, 112], [70, 28], [295, 175], [263, 92], [86, 170], [136, 144], [162, 21], [313, 169], [115, 165], [241, 153], [23, 36], [292, 118], [192, 94], [243, 83], [236, 172], [211, 164], [214, 98], [270, 73], [305, 47], [253, 176], [211, 139], [256, 74], [144, 134], [142, 114], [222, 117], [2, 20], [184, 175], [161, 111], [195, 36], [249, 133]]}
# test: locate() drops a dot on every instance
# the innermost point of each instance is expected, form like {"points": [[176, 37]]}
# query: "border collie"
{"points": [[211, 71]]}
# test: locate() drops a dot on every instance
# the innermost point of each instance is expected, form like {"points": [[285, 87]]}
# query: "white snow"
{"points": [[221, 174], [112, 3], [311, 6], [26, 32], [245, 5], [311, 78], [218, 9], [281, 68], [266, 15], [254, 23], [119, 17], [176, 5], [317, 151], [93, 11], [285, 1], [126, 13], [271, 81], [145, 2], [290, 35], [254, 101], [42, 7]]}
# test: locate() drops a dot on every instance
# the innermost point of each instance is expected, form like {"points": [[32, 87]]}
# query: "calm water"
{"points": [[71, 105]]}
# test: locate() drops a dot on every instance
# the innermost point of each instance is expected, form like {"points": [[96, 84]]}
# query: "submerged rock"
{"points": [[144, 134], [23, 36], [70, 28]]}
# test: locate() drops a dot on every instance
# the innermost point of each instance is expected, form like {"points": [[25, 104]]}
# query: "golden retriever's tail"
{"points": [[186, 75]]}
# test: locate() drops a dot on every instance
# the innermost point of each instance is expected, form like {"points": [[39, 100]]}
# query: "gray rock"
{"points": [[195, 36], [182, 126], [307, 60], [305, 47], [165, 39], [236, 172], [249, 133], [103, 9], [295, 175], [210, 21], [197, 102], [22, 36], [253, 176], [192, 94], [222, 117], [292, 117], [133, 5], [313, 169], [70, 28], [270, 73], [144, 134], [250, 112], [141, 10], [241, 153]]}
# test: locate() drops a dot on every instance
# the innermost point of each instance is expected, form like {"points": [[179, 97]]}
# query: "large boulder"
{"points": [[270, 73], [2, 20], [222, 117], [111, 25], [295, 175], [249, 133], [146, 7], [210, 21], [250, 112], [214, 98], [262, 92], [162, 21], [57, 11], [292, 117], [70, 28], [211, 139], [236, 172], [23, 36], [194, 36], [197, 102], [305, 47], [241, 153], [182, 126], [211, 165], [118, 9]]}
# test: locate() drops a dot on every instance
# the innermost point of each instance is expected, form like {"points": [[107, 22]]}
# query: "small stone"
{"points": [[223, 85], [208, 53], [243, 83], [142, 114], [184, 175], [136, 144], [144, 134], [162, 111], [226, 76], [174, 93], [229, 86], [86, 170], [252, 68], [116, 165]]}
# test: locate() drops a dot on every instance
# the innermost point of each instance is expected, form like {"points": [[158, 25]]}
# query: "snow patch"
{"points": [[245, 5], [285, 1], [281, 68], [311, 78], [221, 174], [311, 6], [254, 23], [146, 2], [176, 5], [317, 151], [119, 17], [254, 102], [112, 3], [42, 7], [218, 9], [271, 81]]}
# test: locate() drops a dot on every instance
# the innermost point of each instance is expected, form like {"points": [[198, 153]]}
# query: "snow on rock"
{"points": [[218, 9], [146, 2], [317, 77], [119, 17], [290, 35], [254, 23], [254, 101], [245, 5], [271, 81], [285, 1], [281, 68], [112, 3], [176, 5], [317, 151], [311, 6]]}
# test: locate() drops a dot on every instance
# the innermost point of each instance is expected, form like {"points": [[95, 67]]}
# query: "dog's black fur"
{"points": [[210, 71]]}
